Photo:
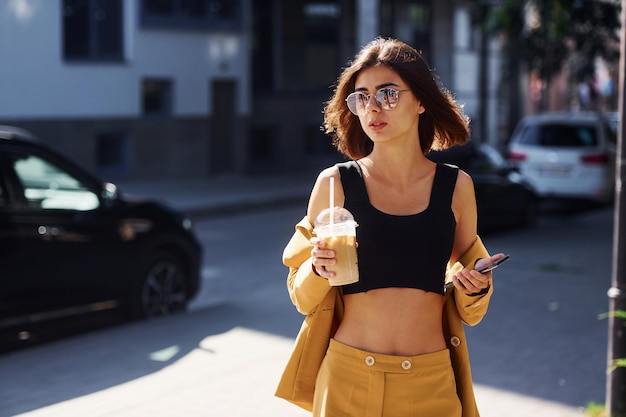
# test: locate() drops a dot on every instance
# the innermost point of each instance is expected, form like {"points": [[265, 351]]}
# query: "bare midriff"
{"points": [[393, 321]]}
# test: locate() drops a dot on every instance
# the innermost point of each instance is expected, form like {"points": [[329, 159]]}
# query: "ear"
{"points": [[420, 106]]}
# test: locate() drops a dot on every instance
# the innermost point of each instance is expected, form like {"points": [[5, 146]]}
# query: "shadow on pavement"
{"points": [[96, 361]]}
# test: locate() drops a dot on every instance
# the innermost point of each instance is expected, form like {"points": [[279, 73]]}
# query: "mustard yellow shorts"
{"points": [[355, 383]]}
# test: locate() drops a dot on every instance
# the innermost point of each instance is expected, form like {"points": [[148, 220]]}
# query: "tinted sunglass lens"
{"points": [[356, 103], [387, 98], [382, 98]]}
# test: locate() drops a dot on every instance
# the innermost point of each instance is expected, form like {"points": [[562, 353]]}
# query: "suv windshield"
{"points": [[559, 135], [48, 187]]}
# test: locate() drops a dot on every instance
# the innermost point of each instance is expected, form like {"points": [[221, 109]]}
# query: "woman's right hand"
{"points": [[322, 258]]}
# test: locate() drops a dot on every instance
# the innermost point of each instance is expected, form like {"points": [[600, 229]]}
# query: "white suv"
{"points": [[566, 155]]}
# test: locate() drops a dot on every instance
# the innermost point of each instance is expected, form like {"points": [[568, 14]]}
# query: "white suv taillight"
{"points": [[600, 158], [515, 156]]}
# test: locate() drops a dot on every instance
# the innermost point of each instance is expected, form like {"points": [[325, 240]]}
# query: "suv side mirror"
{"points": [[109, 193]]}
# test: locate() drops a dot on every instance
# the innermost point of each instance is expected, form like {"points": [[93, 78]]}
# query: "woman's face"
{"points": [[380, 125]]}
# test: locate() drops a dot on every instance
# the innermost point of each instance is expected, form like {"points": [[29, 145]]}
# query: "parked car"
{"points": [[566, 155], [71, 244], [612, 118], [503, 197]]}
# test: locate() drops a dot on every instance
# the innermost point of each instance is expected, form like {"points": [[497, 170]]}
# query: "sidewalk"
{"points": [[199, 197]]}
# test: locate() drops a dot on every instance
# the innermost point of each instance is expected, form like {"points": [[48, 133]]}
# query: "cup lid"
{"points": [[340, 215]]}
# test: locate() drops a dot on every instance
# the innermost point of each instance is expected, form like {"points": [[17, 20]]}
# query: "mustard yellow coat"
{"points": [[323, 307]]}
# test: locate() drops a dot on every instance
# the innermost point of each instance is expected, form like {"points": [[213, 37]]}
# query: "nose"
{"points": [[373, 103]]}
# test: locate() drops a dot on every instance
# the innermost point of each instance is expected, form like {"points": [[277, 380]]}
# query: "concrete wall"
{"points": [[70, 102]]}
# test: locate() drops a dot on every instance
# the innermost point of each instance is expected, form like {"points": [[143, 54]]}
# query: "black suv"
{"points": [[504, 198], [71, 244]]}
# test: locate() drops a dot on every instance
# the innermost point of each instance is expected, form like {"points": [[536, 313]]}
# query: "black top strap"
{"points": [[443, 187], [354, 186], [352, 181]]}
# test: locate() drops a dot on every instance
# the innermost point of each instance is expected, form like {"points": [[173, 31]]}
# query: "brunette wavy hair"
{"points": [[442, 125]]}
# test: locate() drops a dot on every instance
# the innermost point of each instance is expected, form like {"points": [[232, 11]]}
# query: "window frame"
{"points": [[94, 52], [166, 97]]}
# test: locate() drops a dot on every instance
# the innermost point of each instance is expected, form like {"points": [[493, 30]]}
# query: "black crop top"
{"points": [[401, 251]]}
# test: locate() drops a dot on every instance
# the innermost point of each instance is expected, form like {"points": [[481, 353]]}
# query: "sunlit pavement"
{"points": [[227, 375], [230, 375]]}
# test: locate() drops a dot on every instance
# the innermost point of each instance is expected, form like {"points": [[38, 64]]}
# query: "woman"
{"points": [[393, 343]]}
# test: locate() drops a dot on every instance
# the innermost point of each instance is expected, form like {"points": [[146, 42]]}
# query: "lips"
{"points": [[376, 124]]}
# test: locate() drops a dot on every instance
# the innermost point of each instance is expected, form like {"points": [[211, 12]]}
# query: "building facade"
{"points": [[172, 88]]}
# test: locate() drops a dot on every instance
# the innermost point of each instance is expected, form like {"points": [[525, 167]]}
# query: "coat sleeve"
{"points": [[306, 289], [471, 308]]}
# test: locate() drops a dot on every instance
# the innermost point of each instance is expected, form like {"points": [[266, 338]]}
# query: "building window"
{"points": [[263, 55], [112, 152], [410, 22], [321, 25], [310, 44], [420, 20], [214, 15], [92, 30], [157, 97]]}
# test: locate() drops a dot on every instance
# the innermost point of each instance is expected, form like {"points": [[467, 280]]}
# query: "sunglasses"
{"points": [[386, 98]]}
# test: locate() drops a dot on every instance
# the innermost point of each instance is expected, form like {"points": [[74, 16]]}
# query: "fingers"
{"points": [[322, 258], [471, 281]]}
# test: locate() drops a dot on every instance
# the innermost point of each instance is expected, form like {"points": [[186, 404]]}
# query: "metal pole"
{"points": [[616, 379]]}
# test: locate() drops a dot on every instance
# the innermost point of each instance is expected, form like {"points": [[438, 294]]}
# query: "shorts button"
{"points": [[455, 341], [369, 361], [406, 365]]}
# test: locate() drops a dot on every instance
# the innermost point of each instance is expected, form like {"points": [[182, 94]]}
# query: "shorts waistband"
{"points": [[390, 363]]}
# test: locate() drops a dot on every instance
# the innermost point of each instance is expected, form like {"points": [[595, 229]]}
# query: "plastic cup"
{"points": [[340, 236]]}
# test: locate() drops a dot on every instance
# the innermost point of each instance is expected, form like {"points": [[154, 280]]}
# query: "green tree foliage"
{"points": [[553, 31], [544, 35]]}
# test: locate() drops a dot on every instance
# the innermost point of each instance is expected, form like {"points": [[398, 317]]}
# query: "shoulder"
{"points": [[322, 182], [320, 195], [464, 181], [465, 213], [464, 196]]}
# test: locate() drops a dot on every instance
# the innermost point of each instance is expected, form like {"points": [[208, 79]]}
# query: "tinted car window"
{"points": [[559, 135], [48, 187]]}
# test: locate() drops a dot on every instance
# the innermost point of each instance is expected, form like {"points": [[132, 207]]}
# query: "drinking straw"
{"points": [[332, 201]]}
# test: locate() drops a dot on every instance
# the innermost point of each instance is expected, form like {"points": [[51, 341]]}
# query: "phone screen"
{"points": [[494, 265], [486, 268]]}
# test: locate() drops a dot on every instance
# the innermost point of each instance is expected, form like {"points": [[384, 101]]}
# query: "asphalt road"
{"points": [[540, 351], [542, 337]]}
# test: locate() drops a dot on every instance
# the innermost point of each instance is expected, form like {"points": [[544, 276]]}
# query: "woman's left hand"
{"points": [[472, 281]]}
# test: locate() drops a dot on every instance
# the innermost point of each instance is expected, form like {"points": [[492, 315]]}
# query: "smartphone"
{"points": [[486, 268], [494, 265]]}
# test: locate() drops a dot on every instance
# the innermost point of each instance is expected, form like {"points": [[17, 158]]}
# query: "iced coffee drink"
{"points": [[340, 236]]}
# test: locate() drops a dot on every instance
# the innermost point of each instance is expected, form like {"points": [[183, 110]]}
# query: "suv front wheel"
{"points": [[162, 288]]}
